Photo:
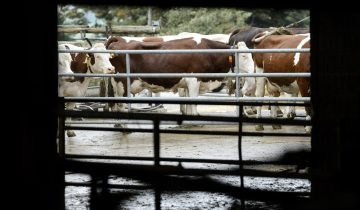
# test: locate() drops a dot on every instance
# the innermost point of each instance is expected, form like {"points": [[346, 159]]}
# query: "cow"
{"points": [[281, 63], [224, 38], [80, 63], [170, 63], [246, 35]]}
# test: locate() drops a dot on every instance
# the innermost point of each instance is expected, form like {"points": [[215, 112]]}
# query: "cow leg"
{"points": [[273, 112], [103, 91], [290, 110], [183, 93], [293, 90], [119, 91], [274, 91], [70, 106], [308, 127], [260, 92], [193, 87], [248, 89], [304, 88]]}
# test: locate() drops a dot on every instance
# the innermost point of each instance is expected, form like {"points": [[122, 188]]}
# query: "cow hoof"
{"points": [[70, 133], [250, 112], [259, 127], [118, 125], [275, 127], [291, 115]]}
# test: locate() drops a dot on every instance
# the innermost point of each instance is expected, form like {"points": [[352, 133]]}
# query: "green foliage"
{"points": [[176, 20], [277, 18], [72, 15], [202, 20]]}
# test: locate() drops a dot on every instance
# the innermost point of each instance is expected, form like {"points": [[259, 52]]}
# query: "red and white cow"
{"points": [[80, 63], [281, 63], [224, 38], [170, 63]]}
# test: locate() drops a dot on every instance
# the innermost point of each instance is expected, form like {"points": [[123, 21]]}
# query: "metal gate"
{"points": [[162, 177]]}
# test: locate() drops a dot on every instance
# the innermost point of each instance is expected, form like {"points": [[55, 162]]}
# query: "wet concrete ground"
{"points": [[189, 146]]}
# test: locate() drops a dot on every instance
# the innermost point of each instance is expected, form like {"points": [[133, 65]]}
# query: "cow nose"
{"points": [[111, 69]]}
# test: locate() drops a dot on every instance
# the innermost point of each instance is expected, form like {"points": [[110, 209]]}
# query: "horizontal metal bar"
{"points": [[193, 132], [174, 170], [190, 100], [180, 75], [185, 160], [113, 186], [284, 50], [149, 122], [179, 117]]}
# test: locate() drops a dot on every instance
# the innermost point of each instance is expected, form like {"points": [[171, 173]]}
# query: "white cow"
{"points": [[80, 63]]}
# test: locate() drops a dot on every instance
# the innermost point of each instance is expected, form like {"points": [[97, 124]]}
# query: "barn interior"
{"points": [[335, 98]]}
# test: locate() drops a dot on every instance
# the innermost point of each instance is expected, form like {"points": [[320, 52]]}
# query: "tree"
{"points": [[202, 20], [277, 18], [176, 20]]}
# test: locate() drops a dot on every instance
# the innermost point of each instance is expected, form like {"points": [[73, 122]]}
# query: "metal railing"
{"points": [[160, 174]]}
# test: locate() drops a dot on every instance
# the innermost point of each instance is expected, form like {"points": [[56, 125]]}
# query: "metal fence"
{"points": [[159, 176]]}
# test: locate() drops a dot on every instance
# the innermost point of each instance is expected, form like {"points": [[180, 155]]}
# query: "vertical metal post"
{"points": [[61, 149], [61, 127], [240, 107], [128, 85], [157, 161], [156, 142], [149, 18], [237, 80], [157, 199]]}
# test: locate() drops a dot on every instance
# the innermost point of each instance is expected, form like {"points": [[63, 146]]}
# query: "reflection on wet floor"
{"points": [[109, 143]]}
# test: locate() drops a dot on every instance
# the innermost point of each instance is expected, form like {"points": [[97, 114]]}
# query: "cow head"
{"points": [[64, 64], [100, 62]]}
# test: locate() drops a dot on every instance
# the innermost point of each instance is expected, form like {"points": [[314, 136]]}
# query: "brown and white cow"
{"points": [[170, 63], [224, 38], [246, 35], [281, 63], [80, 63]]}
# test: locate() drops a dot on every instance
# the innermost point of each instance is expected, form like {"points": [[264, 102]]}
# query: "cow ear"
{"points": [[92, 58]]}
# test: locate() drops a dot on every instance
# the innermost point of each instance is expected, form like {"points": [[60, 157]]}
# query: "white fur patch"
{"points": [[128, 38], [197, 39], [301, 44]]}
